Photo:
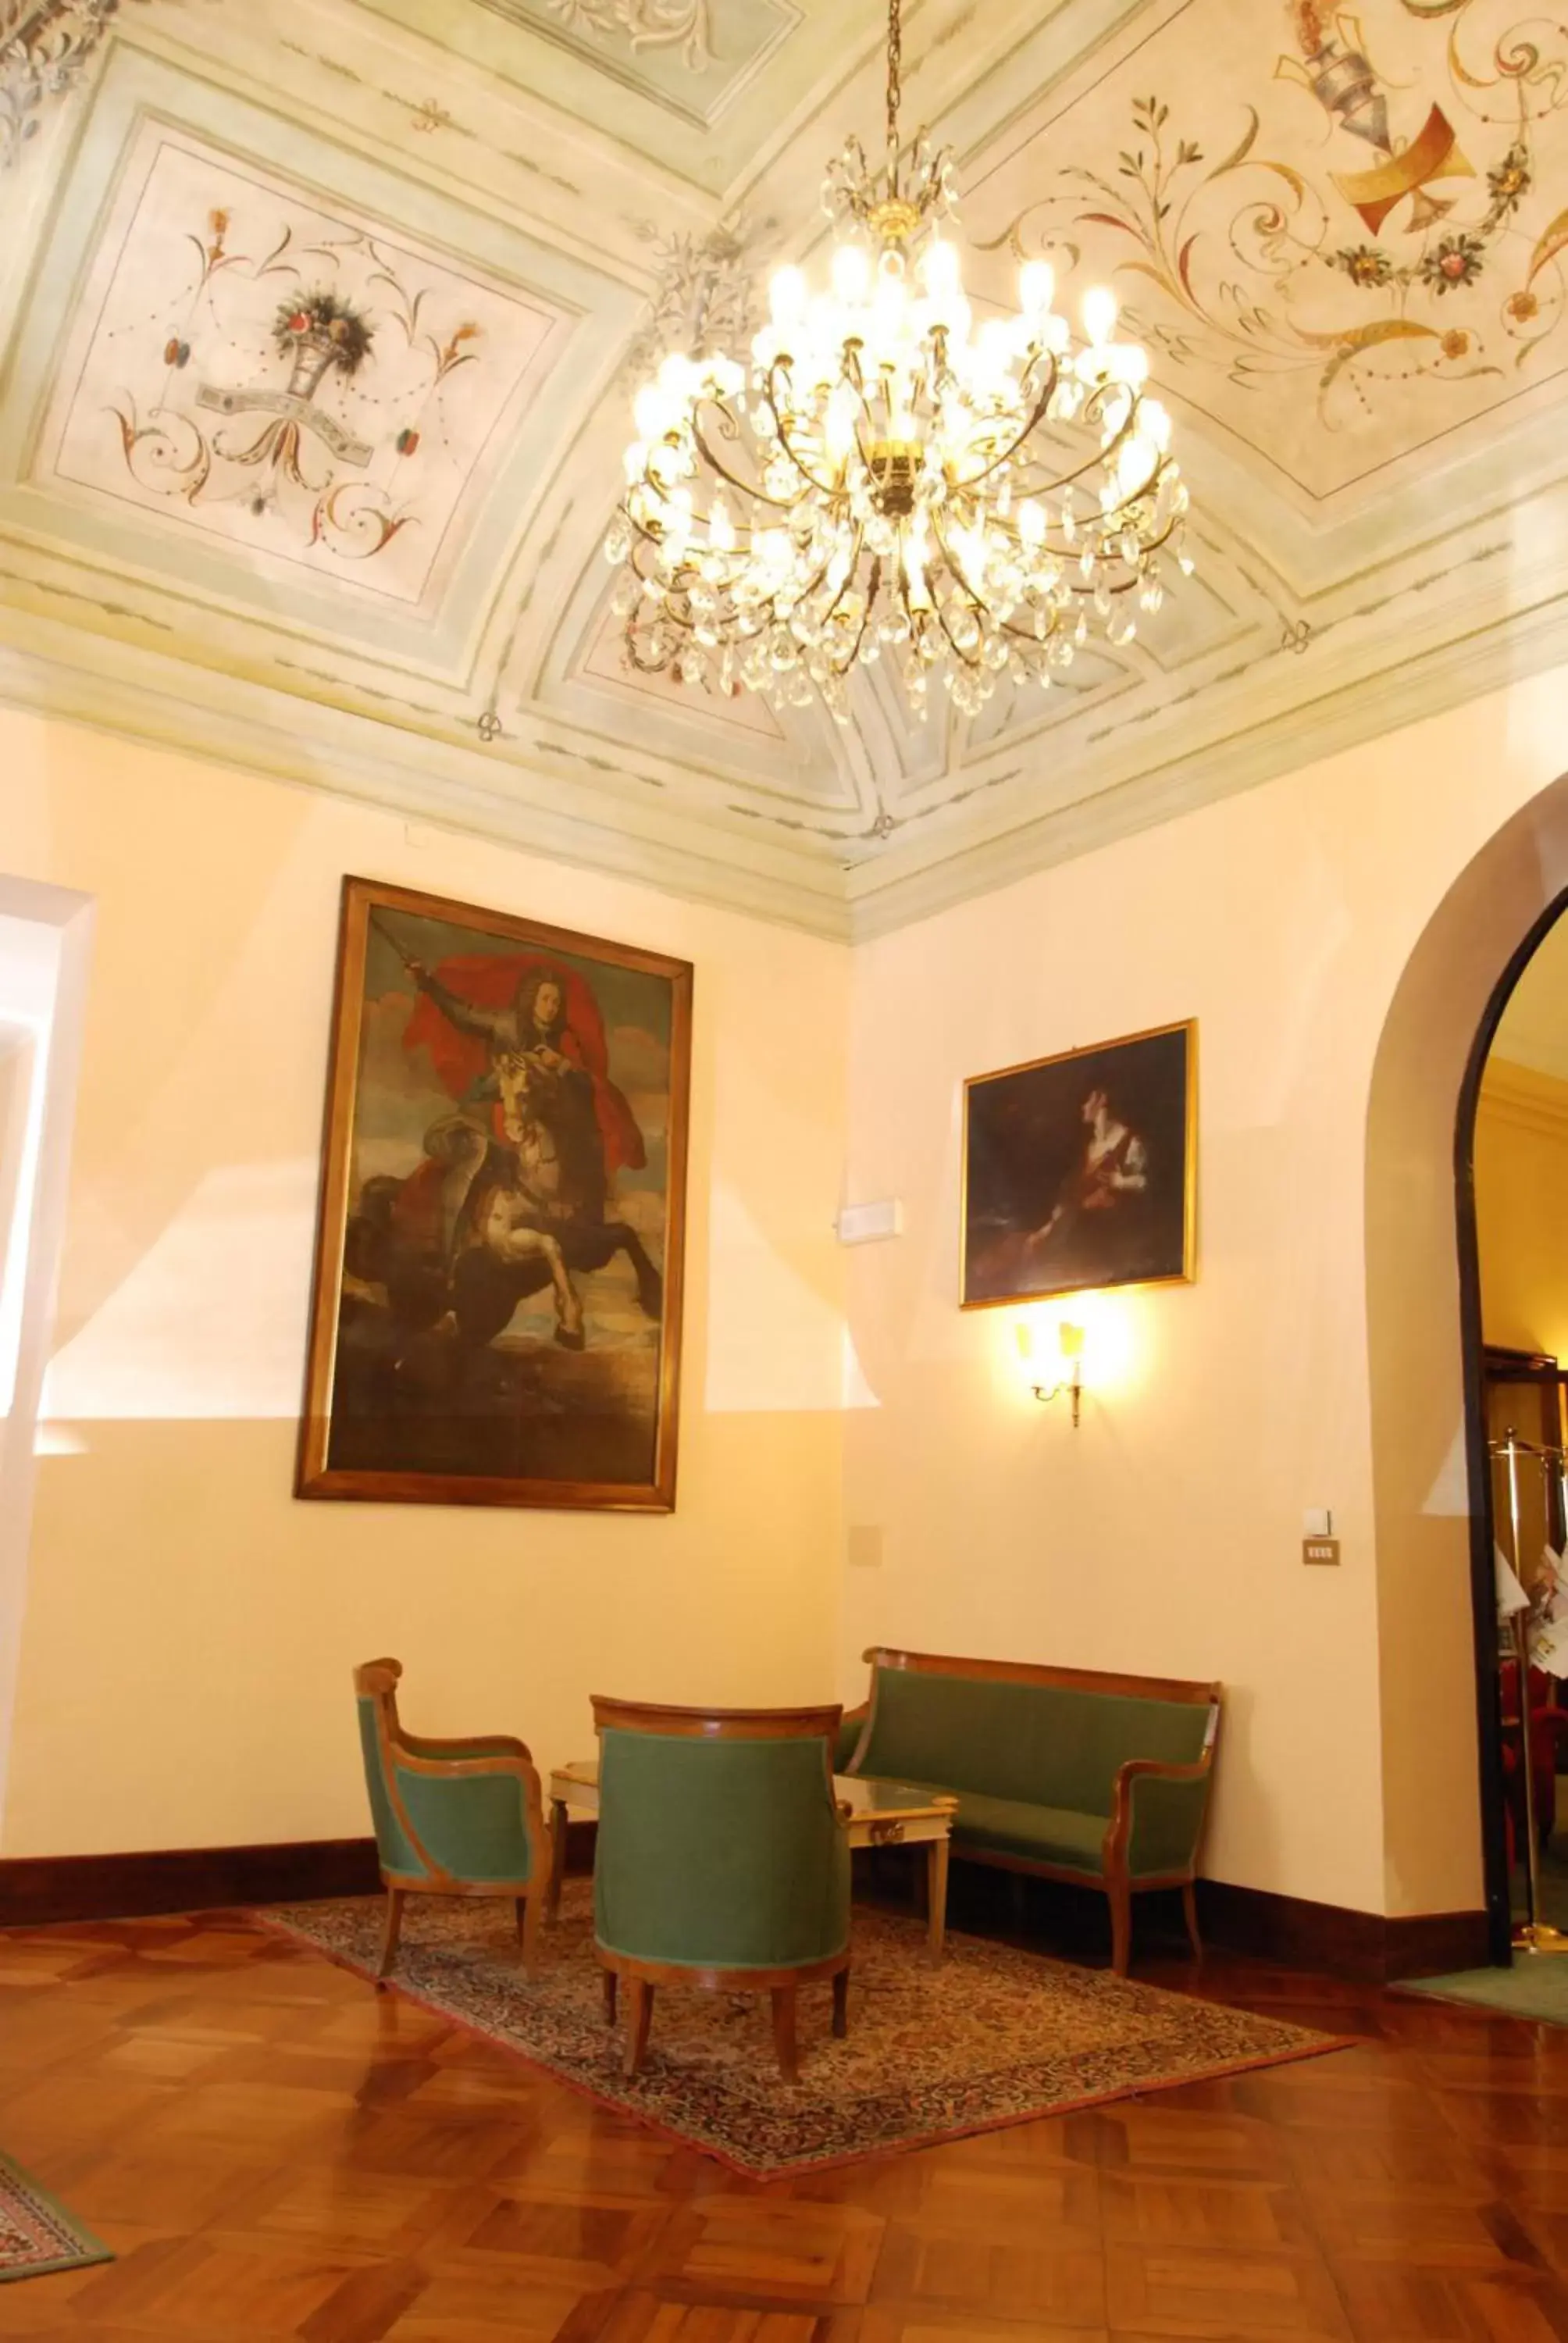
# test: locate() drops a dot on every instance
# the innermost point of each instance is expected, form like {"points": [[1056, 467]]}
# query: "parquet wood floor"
{"points": [[275, 2150]]}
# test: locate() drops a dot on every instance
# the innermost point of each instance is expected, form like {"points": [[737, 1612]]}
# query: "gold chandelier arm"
{"points": [[1086, 588], [1098, 459], [972, 660], [977, 602], [848, 574], [757, 494], [846, 665], [823, 487], [645, 666], [1035, 418]]}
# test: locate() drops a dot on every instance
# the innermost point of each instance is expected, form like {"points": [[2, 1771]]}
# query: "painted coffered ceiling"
{"points": [[319, 320]]}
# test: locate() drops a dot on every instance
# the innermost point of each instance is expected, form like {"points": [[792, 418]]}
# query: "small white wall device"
{"points": [[869, 1223]]}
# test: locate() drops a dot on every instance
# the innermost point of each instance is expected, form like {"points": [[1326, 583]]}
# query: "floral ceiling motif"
{"points": [[1342, 232], [695, 53], [706, 298], [45, 47], [296, 383]]}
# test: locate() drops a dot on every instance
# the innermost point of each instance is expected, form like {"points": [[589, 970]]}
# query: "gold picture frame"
{"points": [[499, 1268], [1080, 1170]]}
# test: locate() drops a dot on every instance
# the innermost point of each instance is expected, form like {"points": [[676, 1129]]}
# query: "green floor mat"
{"points": [[1535, 1986]]}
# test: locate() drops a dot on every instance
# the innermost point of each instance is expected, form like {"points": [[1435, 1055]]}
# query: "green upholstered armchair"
{"points": [[452, 1817], [722, 1860]]}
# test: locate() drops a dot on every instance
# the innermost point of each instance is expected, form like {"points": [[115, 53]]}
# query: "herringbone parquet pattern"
{"points": [[275, 2150]]}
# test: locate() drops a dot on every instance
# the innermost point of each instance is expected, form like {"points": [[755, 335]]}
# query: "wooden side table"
{"points": [[876, 1814]]}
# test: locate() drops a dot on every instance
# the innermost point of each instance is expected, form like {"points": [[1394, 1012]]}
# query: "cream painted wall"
{"points": [[189, 1627], [1521, 1206], [181, 1603], [1165, 1535]]}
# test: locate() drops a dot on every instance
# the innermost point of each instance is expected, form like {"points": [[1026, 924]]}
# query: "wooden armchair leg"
{"points": [[394, 1899], [557, 1856], [841, 2004], [1189, 1914], [784, 2030], [640, 2018], [529, 1930], [609, 1996], [1120, 1896]]}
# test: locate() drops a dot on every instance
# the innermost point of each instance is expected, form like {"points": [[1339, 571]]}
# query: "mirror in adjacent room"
{"points": [[1521, 1157]]}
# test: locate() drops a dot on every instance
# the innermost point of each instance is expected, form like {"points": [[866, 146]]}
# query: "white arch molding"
{"points": [[1431, 1501]]}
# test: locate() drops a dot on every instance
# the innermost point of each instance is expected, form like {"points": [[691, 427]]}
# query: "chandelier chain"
{"points": [[895, 60]]}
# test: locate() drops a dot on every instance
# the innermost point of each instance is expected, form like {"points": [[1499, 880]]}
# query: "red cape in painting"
{"points": [[490, 981]]}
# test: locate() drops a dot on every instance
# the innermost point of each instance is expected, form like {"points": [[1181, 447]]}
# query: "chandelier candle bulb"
{"points": [[1100, 314], [876, 476], [787, 297], [941, 271], [851, 273]]}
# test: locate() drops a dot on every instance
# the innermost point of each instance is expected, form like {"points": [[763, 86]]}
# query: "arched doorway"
{"points": [[1444, 1834], [1526, 1489]]}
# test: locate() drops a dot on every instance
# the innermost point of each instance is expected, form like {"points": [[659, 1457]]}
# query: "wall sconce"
{"points": [[1069, 1346]]}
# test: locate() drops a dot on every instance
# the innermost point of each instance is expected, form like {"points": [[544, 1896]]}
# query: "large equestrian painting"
{"points": [[498, 1285]]}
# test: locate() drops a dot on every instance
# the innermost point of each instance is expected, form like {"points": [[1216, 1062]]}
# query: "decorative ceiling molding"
{"points": [[45, 46], [706, 297]]}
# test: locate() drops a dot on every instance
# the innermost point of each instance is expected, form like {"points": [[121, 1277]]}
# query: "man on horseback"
{"points": [[521, 1172]]}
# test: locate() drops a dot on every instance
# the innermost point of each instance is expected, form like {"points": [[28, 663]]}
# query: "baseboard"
{"points": [[37, 1890], [1328, 1937], [1434, 1944]]}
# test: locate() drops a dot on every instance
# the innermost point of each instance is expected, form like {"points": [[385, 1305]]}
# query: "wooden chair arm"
{"points": [[510, 1762], [462, 1745], [471, 1764], [858, 1718], [1118, 1831]]}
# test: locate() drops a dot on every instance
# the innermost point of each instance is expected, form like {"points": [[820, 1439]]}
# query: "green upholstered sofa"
{"points": [[1100, 1780]]}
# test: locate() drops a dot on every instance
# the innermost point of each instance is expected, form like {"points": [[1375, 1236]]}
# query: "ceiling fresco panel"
{"points": [[1342, 231], [299, 384]]}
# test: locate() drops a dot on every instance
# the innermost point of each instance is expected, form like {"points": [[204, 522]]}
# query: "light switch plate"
{"points": [[1321, 1549], [869, 1223]]}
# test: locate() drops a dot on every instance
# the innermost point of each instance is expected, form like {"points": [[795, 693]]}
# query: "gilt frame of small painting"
{"points": [[499, 1271], [1080, 1171]]}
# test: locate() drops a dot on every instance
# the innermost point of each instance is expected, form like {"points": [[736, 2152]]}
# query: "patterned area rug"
{"points": [[993, 2036], [38, 2237]]}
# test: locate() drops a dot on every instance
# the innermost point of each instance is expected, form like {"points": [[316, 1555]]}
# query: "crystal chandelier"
{"points": [[879, 479]]}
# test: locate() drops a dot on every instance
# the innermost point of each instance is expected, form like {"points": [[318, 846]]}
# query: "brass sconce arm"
{"points": [[1069, 1339]]}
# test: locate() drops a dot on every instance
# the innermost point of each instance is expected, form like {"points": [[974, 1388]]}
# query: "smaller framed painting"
{"points": [[1080, 1170]]}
